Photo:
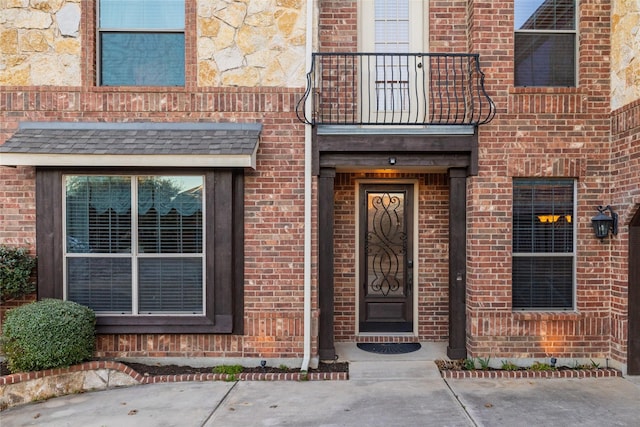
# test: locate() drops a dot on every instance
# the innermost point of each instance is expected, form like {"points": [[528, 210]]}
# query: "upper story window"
{"points": [[141, 43], [543, 244], [545, 43]]}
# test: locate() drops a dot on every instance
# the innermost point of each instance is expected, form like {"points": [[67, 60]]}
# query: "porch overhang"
{"points": [[432, 149], [229, 145]]}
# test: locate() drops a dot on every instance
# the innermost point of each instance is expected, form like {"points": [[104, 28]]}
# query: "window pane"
{"points": [[544, 59], [542, 282], [98, 214], [391, 26], [170, 214], [103, 284], [543, 223], [143, 14], [142, 59], [170, 285], [544, 15], [542, 216]]}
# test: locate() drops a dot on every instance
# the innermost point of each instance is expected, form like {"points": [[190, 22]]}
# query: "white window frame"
{"points": [[417, 43], [576, 10]]}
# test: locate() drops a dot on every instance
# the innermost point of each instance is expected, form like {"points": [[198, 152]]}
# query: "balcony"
{"points": [[395, 89]]}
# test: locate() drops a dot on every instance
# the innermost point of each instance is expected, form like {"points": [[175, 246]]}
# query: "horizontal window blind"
{"points": [[104, 284], [119, 232], [543, 244], [169, 285]]}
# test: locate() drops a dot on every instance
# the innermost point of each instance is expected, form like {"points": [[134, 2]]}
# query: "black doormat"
{"points": [[389, 347]]}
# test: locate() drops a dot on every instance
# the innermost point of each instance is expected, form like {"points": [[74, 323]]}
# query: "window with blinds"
{"points": [[135, 244], [141, 43], [392, 28], [543, 244]]}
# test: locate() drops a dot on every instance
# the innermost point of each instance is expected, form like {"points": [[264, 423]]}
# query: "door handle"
{"points": [[410, 263]]}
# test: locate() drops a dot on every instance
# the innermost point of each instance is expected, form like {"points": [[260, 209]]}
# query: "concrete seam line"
{"points": [[219, 403], [464, 408]]}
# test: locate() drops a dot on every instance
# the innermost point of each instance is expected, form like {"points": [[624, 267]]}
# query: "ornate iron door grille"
{"points": [[386, 243]]}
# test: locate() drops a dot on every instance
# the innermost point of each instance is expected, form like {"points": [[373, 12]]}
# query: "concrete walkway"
{"points": [[399, 390]]}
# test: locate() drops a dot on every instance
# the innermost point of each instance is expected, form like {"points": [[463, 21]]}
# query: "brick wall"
{"points": [[537, 132], [273, 204], [625, 133], [338, 26], [541, 132]]}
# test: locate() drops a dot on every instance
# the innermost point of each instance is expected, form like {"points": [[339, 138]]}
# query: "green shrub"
{"points": [[47, 334], [541, 366], [228, 369], [469, 364], [484, 362], [509, 366], [16, 266]]}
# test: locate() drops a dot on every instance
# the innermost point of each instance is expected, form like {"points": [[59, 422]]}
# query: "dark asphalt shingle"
{"points": [[134, 138]]}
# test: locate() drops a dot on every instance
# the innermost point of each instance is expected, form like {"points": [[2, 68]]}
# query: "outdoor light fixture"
{"points": [[392, 161], [602, 223]]}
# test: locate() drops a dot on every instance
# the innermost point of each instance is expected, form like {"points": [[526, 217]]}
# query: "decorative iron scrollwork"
{"points": [[386, 243]]}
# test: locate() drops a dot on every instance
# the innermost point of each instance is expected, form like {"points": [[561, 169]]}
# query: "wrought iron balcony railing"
{"points": [[396, 89]]}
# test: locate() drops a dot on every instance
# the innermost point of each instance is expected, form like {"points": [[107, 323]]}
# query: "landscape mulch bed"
{"points": [[455, 370], [154, 370]]}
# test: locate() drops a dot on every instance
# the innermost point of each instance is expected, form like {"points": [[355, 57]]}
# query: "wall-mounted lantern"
{"points": [[602, 223]]}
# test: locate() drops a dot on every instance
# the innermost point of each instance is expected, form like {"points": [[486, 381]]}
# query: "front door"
{"points": [[386, 258]]}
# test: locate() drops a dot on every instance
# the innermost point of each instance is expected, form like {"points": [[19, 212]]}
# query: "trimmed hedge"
{"points": [[48, 334], [16, 266]]}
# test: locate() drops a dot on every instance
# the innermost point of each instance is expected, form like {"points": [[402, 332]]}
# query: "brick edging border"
{"points": [[565, 373], [151, 379]]}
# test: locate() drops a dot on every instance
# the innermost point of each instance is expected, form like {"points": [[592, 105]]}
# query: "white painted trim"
{"points": [[435, 130], [308, 160], [133, 160]]}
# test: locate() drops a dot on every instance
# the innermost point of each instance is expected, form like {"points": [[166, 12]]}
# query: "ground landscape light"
{"points": [[603, 224]]}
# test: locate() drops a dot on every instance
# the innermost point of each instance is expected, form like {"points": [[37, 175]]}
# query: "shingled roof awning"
{"points": [[132, 144]]}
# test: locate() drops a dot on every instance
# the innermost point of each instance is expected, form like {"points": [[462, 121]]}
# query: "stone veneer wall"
{"points": [[40, 42], [239, 43], [625, 43], [251, 43]]}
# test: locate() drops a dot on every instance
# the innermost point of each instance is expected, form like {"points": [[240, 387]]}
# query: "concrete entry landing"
{"points": [[430, 351], [407, 366]]}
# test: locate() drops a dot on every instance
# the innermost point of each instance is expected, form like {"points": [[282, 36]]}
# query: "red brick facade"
{"points": [[537, 132]]}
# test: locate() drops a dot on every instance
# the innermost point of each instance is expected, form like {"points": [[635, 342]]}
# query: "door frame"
{"points": [[633, 297], [416, 260]]}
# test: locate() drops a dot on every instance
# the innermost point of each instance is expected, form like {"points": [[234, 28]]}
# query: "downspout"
{"points": [[307, 200]]}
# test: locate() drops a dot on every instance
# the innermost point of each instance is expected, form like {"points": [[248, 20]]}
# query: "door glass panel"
{"points": [[386, 244]]}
